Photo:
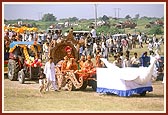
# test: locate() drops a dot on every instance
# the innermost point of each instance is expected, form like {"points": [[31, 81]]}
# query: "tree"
{"points": [[137, 16], [48, 17], [157, 30], [73, 19], [5, 21], [127, 16], [105, 18]]}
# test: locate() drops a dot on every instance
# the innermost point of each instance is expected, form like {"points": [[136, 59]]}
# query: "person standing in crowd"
{"points": [[154, 38], [49, 71], [157, 45], [145, 60], [46, 50], [95, 47], [93, 33], [140, 40], [104, 50], [150, 48]]}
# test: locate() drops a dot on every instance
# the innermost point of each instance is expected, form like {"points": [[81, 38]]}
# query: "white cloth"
{"points": [[93, 32], [45, 48], [126, 63], [128, 78], [135, 60], [150, 46], [49, 71], [140, 38]]}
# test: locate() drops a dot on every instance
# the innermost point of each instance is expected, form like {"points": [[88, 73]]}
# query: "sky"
{"points": [[85, 10]]}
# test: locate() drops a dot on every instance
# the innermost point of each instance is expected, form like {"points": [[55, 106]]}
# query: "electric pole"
{"points": [[95, 16], [117, 12]]}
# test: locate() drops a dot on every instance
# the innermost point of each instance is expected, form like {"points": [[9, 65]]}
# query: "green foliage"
{"points": [[127, 16], [48, 17], [83, 24], [108, 29], [137, 16], [105, 18], [73, 19], [5, 21], [157, 30]]}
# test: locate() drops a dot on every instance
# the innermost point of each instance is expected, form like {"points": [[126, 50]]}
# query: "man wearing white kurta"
{"points": [[49, 71]]}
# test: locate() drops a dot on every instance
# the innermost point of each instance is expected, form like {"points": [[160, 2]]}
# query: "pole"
{"points": [[95, 16], [115, 13], [118, 12]]}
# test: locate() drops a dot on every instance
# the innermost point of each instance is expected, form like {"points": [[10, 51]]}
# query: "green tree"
{"points": [[137, 16], [157, 30], [5, 21], [48, 17], [127, 16], [73, 19], [108, 29], [105, 18]]}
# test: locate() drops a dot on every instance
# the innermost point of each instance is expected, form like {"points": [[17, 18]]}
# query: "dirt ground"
{"points": [[15, 95]]}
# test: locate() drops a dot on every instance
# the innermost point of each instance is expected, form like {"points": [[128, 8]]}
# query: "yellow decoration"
{"points": [[25, 52], [33, 49]]}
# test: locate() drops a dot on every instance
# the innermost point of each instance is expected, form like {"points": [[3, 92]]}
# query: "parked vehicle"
{"points": [[23, 61]]}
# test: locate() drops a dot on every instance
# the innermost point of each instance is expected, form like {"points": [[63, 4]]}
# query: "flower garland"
{"points": [[33, 49], [30, 61], [12, 49]]}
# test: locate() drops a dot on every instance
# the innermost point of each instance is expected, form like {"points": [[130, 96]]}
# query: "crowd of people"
{"points": [[94, 47]]}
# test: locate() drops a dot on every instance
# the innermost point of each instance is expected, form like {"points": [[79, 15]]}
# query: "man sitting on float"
{"points": [[87, 70]]}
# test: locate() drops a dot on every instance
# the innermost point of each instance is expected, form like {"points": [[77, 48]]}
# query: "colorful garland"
{"points": [[30, 61]]}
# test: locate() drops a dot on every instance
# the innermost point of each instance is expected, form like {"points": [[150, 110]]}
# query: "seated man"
{"points": [[64, 65], [118, 62], [81, 61], [88, 69], [98, 61], [72, 65]]}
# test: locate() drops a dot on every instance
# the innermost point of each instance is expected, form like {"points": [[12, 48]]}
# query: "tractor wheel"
{"points": [[94, 85], [83, 87], [13, 69], [70, 86], [143, 93], [21, 76]]}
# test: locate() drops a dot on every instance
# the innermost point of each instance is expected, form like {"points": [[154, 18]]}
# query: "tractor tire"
{"points": [[83, 87], [94, 85], [13, 69], [21, 77], [143, 94]]}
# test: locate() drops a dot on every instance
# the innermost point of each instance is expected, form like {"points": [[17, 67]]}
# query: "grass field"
{"points": [[26, 98]]}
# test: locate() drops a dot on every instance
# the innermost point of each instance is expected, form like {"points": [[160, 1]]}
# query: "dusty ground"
{"points": [[25, 97]]}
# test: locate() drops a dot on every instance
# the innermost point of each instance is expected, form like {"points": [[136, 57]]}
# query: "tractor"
{"points": [[24, 60]]}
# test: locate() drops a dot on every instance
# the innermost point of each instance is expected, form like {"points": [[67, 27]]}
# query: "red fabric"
{"points": [[68, 48]]}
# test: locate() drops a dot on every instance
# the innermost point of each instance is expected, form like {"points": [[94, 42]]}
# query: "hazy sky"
{"points": [[84, 10]]}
